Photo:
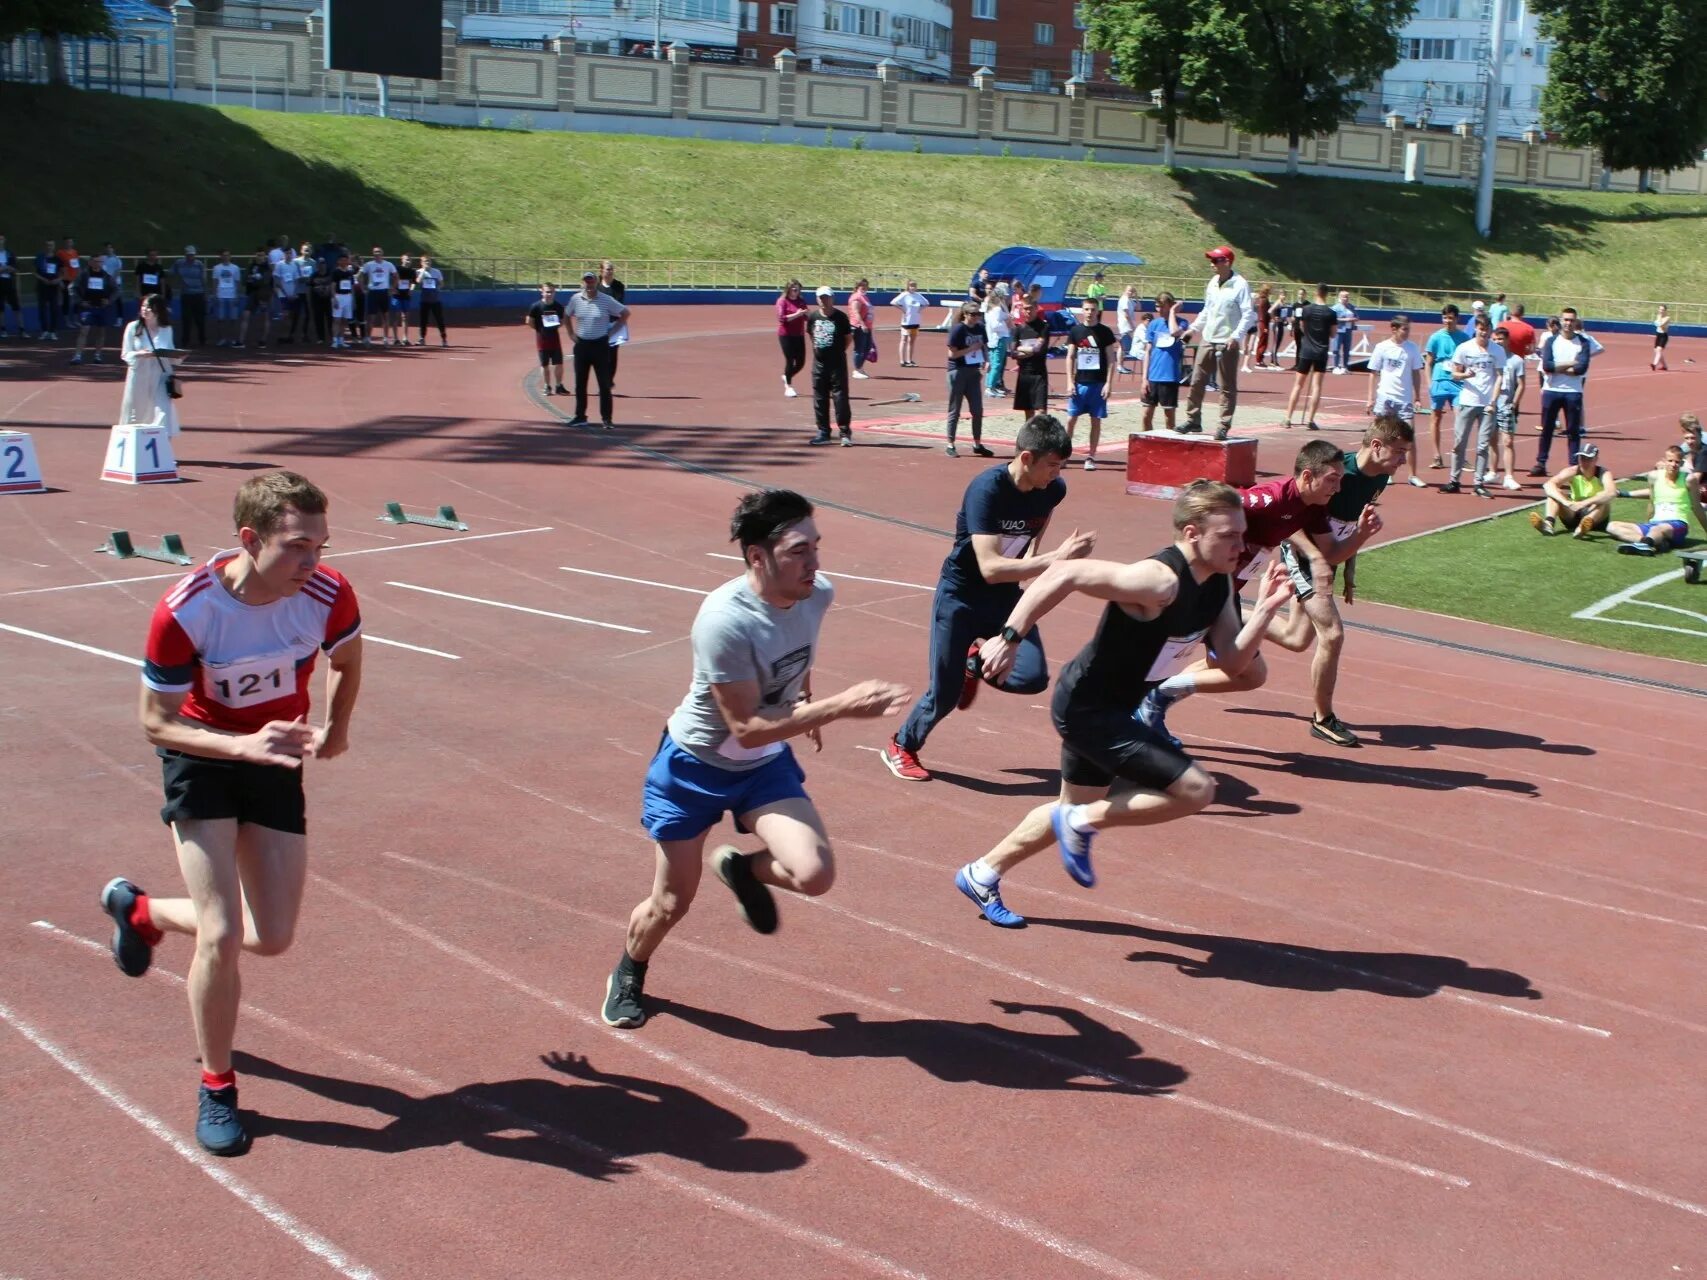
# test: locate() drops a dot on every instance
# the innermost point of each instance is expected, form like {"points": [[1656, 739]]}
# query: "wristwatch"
{"points": [[1010, 635]]}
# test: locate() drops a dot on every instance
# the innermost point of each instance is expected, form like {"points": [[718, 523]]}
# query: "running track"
{"points": [[1435, 1008]]}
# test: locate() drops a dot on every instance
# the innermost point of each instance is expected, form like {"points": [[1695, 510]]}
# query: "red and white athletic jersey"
{"points": [[1274, 511], [244, 665]]}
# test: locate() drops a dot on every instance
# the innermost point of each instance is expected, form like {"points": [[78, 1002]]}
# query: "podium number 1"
{"points": [[153, 447], [15, 454]]}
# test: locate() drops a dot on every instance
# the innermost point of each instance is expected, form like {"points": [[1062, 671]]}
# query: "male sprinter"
{"points": [[1002, 519], [725, 749], [1114, 772], [1673, 495], [225, 703]]}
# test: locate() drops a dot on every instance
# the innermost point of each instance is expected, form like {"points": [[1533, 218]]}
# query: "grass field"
{"points": [[1502, 571], [228, 176]]}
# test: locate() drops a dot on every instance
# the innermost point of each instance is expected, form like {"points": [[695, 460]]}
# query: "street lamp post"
{"points": [[1491, 122]]}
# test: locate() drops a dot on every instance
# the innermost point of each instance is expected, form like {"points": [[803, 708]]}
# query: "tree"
{"points": [[1627, 78], [1295, 68], [52, 20], [1153, 48]]}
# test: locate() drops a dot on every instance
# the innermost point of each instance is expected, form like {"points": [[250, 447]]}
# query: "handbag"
{"points": [[173, 390]]}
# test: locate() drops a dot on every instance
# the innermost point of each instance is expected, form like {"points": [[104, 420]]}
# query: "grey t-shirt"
{"points": [[737, 636]]}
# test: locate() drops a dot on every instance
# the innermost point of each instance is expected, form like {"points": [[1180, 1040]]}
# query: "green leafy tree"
{"points": [[1297, 68], [51, 20], [1152, 48], [1628, 78]]}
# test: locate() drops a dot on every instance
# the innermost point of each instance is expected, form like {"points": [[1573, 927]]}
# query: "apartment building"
{"points": [[1442, 68], [1029, 44]]}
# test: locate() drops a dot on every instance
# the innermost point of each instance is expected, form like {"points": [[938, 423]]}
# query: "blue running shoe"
{"points": [[1075, 848], [989, 901], [1152, 713], [217, 1126]]}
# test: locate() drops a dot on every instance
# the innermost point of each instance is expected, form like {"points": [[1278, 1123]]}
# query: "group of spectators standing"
{"points": [[597, 322], [314, 295]]}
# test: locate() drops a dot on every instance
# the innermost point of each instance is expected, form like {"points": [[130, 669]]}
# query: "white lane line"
{"points": [[330, 555], [1652, 626], [1670, 608], [513, 1119], [1285, 1069], [413, 648], [521, 608], [1619, 597], [994, 1039], [71, 644], [643, 582], [281, 1218], [887, 582], [1033, 1232]]}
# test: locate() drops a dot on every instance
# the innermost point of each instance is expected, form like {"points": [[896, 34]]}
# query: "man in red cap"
{"points": [[1228, 314]]}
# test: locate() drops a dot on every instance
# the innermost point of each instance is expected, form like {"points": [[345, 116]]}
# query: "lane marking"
{"points": [[854, 577], [413, 648], [330, 555], [520, 608], [643, 582], [1669, 608], [71, 644], [874, 1262], [1027, 1229], [286, 1222], [1619, 597], [996, 1039]]}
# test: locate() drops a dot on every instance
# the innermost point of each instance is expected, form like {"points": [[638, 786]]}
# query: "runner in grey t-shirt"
{"points": [[725, 750]]}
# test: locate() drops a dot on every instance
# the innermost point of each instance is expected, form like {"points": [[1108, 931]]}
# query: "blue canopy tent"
{"points": [[1054, 269]]}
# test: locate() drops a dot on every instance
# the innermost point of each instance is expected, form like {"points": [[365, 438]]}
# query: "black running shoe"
{"points": [[130, 952], [579, 420], [218, 1126], [1332, 729], [980, 451], [623, 991], [735, 869]]}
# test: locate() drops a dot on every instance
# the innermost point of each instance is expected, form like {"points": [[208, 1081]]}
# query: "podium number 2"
{"points": [[15, 455]]}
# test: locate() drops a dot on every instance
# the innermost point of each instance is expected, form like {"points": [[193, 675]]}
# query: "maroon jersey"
{"points": [[1274, 511]]}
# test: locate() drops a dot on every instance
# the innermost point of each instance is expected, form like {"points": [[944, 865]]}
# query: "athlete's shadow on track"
{"points": [[590, 1128], [1426, 737], [1088, 1056], [1301, 764], [1405, 974], [1234, 797]]}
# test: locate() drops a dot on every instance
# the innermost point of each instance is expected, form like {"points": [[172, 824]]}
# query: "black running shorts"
{"points": [[264, 795], [1311, 364], [1098, 746], [1165, 394]]}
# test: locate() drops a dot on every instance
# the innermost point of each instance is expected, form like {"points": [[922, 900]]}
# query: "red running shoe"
{"points": [[903, 763]]}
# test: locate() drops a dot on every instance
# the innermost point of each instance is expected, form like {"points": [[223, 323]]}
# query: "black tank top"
{"points": [[1124, 659]]}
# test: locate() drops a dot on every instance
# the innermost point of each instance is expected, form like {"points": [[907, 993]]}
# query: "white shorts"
{"points": [[343, 306]]}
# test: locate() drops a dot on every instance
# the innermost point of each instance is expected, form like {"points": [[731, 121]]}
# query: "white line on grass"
{"points": [[281, 1218], [854, 577], [1619, 597], [520, 608]]}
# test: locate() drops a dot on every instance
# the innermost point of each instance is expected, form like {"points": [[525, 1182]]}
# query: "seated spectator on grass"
{"points": [[1694, 454], [1579, 497], [1673, 496]]}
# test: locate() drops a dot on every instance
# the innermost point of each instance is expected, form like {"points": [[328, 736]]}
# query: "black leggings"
{"points": [[432, 309], [793, 353]]}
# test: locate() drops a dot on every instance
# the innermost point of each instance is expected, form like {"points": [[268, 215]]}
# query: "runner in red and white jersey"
{"points": [[225, 703]]}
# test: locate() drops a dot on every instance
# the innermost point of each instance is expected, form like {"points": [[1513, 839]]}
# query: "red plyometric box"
{"points": [[1161, 463]]}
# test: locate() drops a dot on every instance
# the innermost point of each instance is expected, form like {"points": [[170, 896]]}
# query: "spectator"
{"points": [[1345, 327], [9, 288], [1164, 364], [313, 319], [1395, 384], [50, 297], [227, 299], [431, 281], [1694, 454], [912, 304], [1279, 325], [981, 285], [189, 281], [1565, 359], [1662, 335], [1096, 291], [342, 285], [1127, 324], [1031, 359], [407, 274], [95, 291], [864, 339], [609, 284], [998, 334], [1476, 368], [1091, 346], [592, 315], [113, 265], [1514, 378], [70, 267], [379, 279], [329, 253], [1442, 386], [1264, 309], [830, 332], [1498, 313], [145, 348], [1313, 327], [1521, 331], [966, 355], [257, 298], [545, 318], [1226, 317], [290, 289], [791, 314], [1673, 496], [1579, 497], [151, 278]]}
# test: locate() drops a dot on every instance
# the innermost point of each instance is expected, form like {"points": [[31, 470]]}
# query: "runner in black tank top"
{"points": [[1115, 771]]}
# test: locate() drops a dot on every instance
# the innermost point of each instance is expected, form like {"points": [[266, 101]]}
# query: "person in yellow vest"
{"points": [[1579, 497], [1673, 496]]}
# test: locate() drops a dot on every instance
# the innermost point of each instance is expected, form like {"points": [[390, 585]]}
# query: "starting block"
{"points": [[446, 518], [1693, 563], [170, 551], [1161, 463]]}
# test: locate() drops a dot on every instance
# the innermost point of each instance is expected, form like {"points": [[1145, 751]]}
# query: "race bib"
{"points": [[550, 320], [1165, 341], [51, 269], [343, 286], [250, 681], [96, 284], [733, 750], [1090, 358], [429, 283], [76, 264], [1258, 563], [403, 286], [974, 357], [1176, 655], [1341, 528], [150, 281]]}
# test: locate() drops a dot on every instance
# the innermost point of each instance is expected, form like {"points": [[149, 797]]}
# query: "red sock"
{"points": [[225, 1080], [143, 922]]}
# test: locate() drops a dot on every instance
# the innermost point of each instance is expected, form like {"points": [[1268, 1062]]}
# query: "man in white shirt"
{"points": [[379, 278], [1564, 365], [1476, 366], [1395, 383], [912, 304], [1228, 314], [1514, 378], [227, 298], [286, 278]]}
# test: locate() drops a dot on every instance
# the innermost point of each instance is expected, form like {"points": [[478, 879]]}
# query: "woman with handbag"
{"points": [[151, 386]]}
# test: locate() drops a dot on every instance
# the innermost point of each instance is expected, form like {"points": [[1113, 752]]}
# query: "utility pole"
{"points": [[1491, 122]]}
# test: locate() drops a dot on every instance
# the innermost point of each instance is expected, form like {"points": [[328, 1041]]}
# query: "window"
{"points": [[1078, 17], [1543, 49], [1428, 49], [782, 19], [1505, 97], [920, 33], [853, 20], [1044, 33], [1436, 9], [749, 15], [985, 9], [982, 53], [1084, 62], [1042, 80]]}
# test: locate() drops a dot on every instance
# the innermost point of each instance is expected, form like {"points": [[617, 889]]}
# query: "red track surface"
{"points": [[1436, 1008]]}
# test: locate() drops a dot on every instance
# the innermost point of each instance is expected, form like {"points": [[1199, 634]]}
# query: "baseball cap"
{"points": [[1589, 451], [589, 275], [189, 248], [1218, 252], [824, 291]]}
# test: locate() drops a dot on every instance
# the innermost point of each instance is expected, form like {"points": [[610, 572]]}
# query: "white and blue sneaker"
{"points": [[988, 899], [1075, 848], [1152, 713]]}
